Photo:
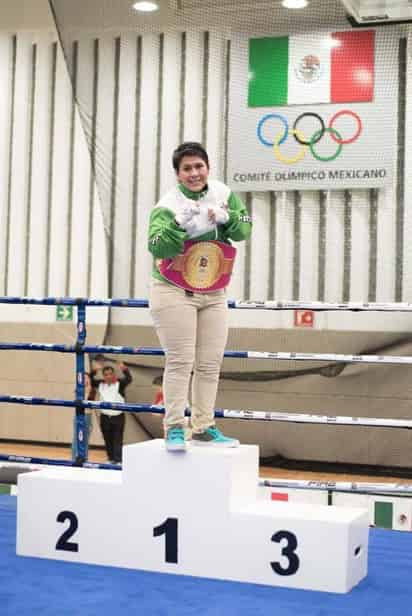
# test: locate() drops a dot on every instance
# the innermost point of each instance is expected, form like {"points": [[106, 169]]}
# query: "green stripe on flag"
{"points": [[5, 489], [268, 71], [383, 514]]}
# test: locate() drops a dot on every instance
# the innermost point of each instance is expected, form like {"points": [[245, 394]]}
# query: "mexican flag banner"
{"points": [[313, 82], [306, 69]]}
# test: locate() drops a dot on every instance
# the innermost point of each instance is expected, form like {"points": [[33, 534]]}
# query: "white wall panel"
{"points": [[79, 229], [284, 252], [309, 244], [334, 247], [147, 160], [278, 251], [215, 103], [81, 176], [259, 264], [41, 169], [98, 282], [19, 169], [407, 257], [386, 245], [124, 171], [60, 181], [193, 87], [359, 273], [106, 146], [170, 113], [6, 45]]}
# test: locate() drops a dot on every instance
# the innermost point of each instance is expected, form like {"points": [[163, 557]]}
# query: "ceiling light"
{"points": [[294, 4], [146, 7]]}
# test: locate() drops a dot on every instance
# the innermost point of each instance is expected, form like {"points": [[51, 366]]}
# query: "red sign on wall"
{"points": [[304, 318]]}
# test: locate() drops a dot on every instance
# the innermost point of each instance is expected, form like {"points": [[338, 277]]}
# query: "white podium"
{"points": [[195, 513]]}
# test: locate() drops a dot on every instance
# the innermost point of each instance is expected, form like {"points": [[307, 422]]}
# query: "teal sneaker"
{"points": [[212, 437], [175, 439]]}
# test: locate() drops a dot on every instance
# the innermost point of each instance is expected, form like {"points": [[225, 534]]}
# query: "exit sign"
{"points": [[64, 313]]}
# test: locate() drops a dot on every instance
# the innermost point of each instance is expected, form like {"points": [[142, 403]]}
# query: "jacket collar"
{"points": [[195, 196]]}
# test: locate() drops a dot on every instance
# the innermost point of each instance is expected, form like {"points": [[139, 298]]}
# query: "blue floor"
{"points": [[51, 588]]}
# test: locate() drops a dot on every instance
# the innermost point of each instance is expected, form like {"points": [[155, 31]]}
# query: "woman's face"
{"points": [[193, 173], [87, 382]]}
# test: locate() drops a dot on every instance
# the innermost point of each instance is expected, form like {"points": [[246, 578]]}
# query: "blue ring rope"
{"points": [[233, 304], [156, 351], [247, 415], [55, 462]]}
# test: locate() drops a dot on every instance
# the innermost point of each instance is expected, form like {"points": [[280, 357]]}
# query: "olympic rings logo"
{"points": [[304, 142]]}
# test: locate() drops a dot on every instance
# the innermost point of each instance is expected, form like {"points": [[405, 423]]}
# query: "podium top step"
{"points": [[157, 447]]}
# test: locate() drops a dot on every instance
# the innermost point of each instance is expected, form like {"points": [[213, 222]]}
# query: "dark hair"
{"points": [[189, 148], [93, 391], [106, 368]]}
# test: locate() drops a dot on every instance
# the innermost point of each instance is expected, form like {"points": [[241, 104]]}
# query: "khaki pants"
{"points": [[192, 330]]}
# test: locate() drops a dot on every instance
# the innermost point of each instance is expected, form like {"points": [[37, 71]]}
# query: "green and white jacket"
{"points": [[166, 238]]}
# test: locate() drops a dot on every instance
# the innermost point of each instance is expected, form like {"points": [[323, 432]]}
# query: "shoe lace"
{"points": [[175, 433], [216, 433]]}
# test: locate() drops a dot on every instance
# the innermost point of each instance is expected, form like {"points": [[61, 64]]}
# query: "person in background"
{"points": [[159, 397], [90, 393], [190, 233], [111, 388]]}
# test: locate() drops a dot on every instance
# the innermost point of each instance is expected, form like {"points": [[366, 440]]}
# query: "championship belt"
{"points": [[202, 267]]}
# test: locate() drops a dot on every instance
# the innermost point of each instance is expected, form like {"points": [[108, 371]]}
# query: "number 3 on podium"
{"points": [[288, 551]]}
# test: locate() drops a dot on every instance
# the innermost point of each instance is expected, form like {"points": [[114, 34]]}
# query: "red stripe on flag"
{"points": [[353, 67], [279, 496]]}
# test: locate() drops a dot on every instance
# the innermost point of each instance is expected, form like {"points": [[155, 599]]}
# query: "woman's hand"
{"points": [[185, 216], [219, 214]]}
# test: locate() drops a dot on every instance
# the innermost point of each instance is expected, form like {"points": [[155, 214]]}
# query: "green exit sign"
{"points": [[64, 313]]}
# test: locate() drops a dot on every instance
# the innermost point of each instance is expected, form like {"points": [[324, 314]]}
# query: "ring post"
{"points": [[80, 417]]}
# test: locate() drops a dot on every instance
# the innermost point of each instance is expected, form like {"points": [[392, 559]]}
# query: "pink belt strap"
{"points": [[202, 267]]}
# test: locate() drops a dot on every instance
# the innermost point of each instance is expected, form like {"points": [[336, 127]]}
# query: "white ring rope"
{"points": [[331, 357], [339, 486], [314, 419], [323, 306]]}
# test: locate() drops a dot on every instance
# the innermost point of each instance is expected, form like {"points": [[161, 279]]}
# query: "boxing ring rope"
{"points": [[360, 487], [79, 349], [280, 356], [219, 413], [239, 304]]}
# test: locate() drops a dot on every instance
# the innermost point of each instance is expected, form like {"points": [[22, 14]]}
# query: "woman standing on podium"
{"points": [[189, 237]]}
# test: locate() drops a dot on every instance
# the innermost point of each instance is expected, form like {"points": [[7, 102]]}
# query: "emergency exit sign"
{"points": [[64, 313]]}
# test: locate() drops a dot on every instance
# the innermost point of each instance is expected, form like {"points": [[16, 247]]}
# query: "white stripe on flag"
{"points": [[309, 69]]}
